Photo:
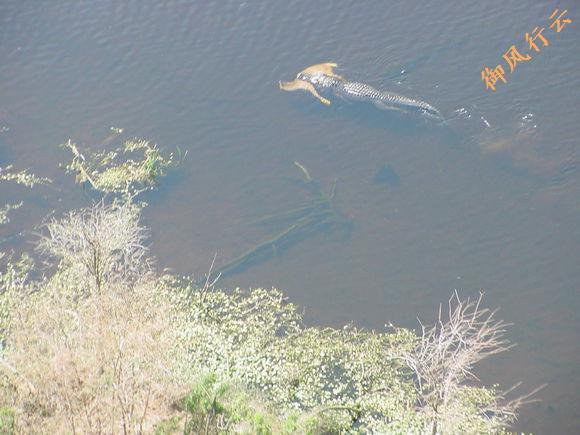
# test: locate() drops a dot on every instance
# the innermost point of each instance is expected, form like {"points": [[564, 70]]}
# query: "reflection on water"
{"points": [[488, 201]]}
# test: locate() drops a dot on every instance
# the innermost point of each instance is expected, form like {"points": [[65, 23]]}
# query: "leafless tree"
{"points": [[447, 351], [105, 241]]}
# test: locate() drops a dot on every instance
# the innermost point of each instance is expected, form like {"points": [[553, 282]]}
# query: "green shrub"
{"points": [[7, 421], [127, 170]]}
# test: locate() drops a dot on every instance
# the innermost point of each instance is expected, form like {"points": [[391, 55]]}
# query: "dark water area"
{"points": [[488, 201]]}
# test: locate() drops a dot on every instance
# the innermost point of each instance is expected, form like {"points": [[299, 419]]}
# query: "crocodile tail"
{"points": [[425, 109], [432, 112]]}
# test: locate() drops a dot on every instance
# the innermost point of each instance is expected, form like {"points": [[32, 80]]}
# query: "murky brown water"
{"points": [[488, 202]]}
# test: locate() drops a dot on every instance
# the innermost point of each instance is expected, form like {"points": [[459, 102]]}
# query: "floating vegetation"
{"points": [[127, 170], [23, 178], [5, 209], [318, 214]]}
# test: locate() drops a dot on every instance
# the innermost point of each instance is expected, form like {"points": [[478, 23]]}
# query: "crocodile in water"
{"points": [[322, 76]]}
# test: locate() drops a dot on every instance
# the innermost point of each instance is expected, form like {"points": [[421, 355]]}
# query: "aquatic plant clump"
{"points": [[127, 170], [22, 177], [318, 214], [6, 209]]}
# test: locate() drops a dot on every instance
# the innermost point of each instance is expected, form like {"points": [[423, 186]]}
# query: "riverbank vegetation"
{"points": [[95, 339]]}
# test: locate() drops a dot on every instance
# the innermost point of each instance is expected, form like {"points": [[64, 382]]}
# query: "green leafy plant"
{"points": [[7, 421], [128, 170], [205, 408]]}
